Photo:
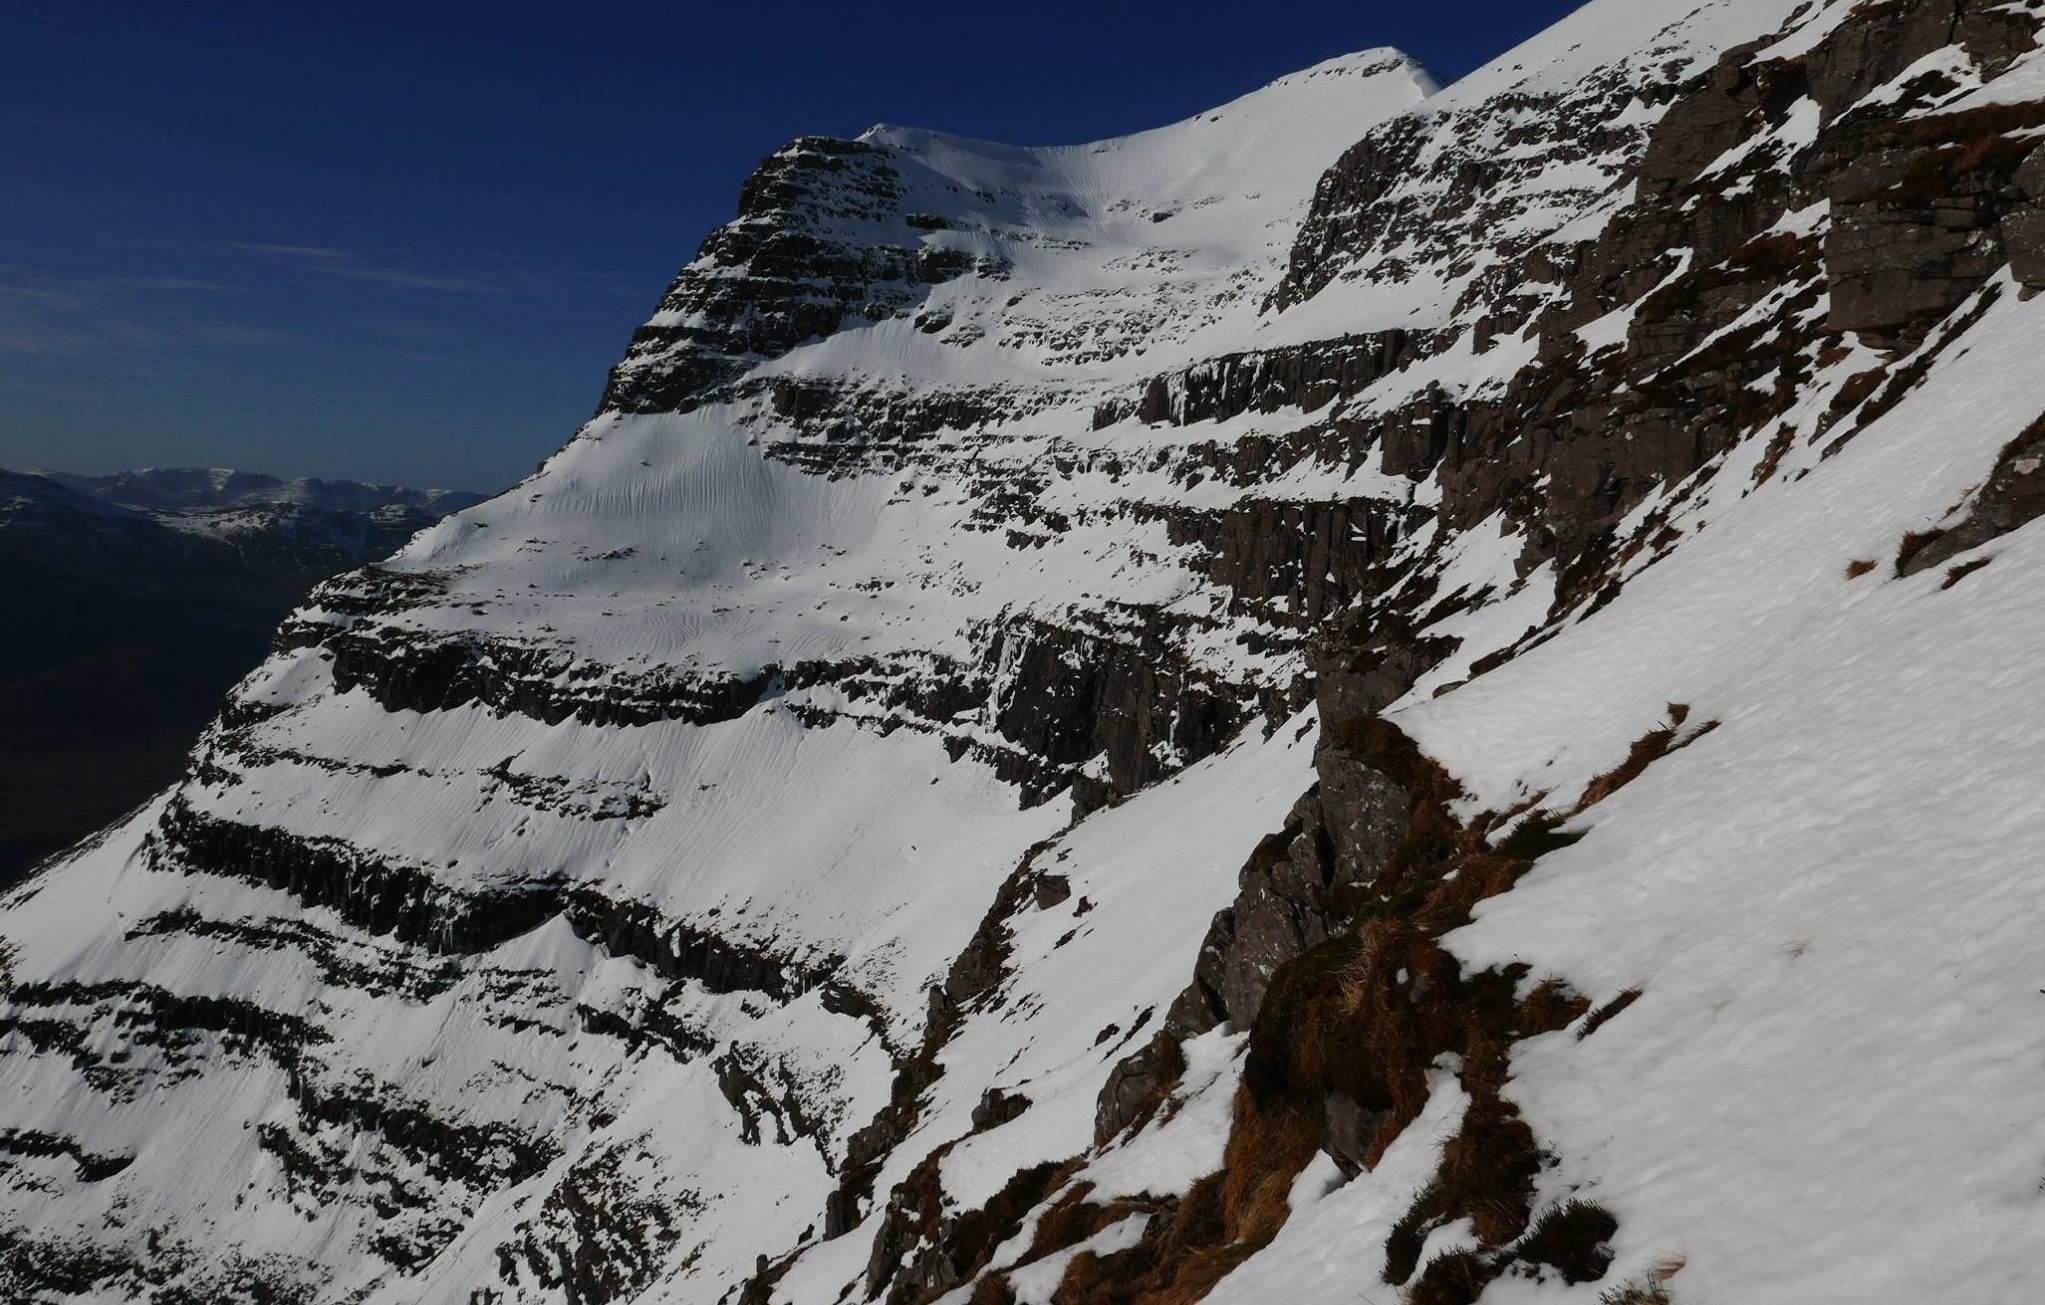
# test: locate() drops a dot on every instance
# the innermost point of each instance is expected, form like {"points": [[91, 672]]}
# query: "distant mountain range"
{"points": [[205, 489], [134, 602]]}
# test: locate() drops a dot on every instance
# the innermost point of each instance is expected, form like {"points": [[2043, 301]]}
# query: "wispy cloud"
{"points": [[19, 286], [317, 253], [120, 322], [411, 274], [166, 284], [348, 264]]}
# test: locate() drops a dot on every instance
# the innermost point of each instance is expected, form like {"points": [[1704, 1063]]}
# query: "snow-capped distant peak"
{"points": [[174, 489]]}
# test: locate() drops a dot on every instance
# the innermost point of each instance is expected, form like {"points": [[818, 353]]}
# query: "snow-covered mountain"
{"points": [[191, 489], [137, 601], [302, 525], [1390, 693]]}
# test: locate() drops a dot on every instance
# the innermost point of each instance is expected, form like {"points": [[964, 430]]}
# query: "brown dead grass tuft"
{"points": [[1536, 836], [1574, 1239], [1087, 1278], [1183, 1254], [992, 1290], [1857, 389], [1551, 1007], [1646, 750], [1914, 543], [1860, 567], [1071, 1221], [1633, 1293], [1266, 1151], [1604, 1013], [1965, 569], [1368, 1015], [1457, 1278]]}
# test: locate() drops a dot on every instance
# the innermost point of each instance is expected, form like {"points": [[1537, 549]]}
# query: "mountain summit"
{"points": [[1391, 692]]}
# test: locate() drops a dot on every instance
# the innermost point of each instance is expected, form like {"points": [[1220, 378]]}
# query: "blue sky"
{"points": [[404, 241]]}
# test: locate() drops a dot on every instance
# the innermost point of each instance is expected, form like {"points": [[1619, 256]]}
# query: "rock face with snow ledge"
{"points": [[1397, 692]]}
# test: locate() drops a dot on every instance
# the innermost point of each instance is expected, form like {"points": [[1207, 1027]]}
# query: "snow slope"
{"points": [[835, 868], [868, 819]]}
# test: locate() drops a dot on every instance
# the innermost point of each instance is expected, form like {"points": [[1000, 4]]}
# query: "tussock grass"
{"points": [[1369, 1015], [1647, 1293], [1604, 1013]]}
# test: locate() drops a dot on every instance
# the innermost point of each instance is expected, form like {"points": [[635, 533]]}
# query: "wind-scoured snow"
{"points": [[668, 541], [1828, 902], [488, 984]]}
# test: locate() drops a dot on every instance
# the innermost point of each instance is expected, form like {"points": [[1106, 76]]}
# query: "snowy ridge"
{"points": [[197, 488], [1431, 714]]}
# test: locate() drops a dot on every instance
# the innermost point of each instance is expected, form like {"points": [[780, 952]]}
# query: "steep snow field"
{"points": [[1829, 1089], [1116, 259], [1828, 902], [751, 860], [667, 541]]}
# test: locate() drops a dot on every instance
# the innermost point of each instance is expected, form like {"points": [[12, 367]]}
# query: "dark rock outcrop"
{"points": [[1294, 563], [1307, 377], [2012, 497], [787, 270], [1067, 696]]}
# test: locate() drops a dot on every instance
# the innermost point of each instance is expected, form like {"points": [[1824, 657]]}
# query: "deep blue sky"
{"points": [[404, 241]]}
